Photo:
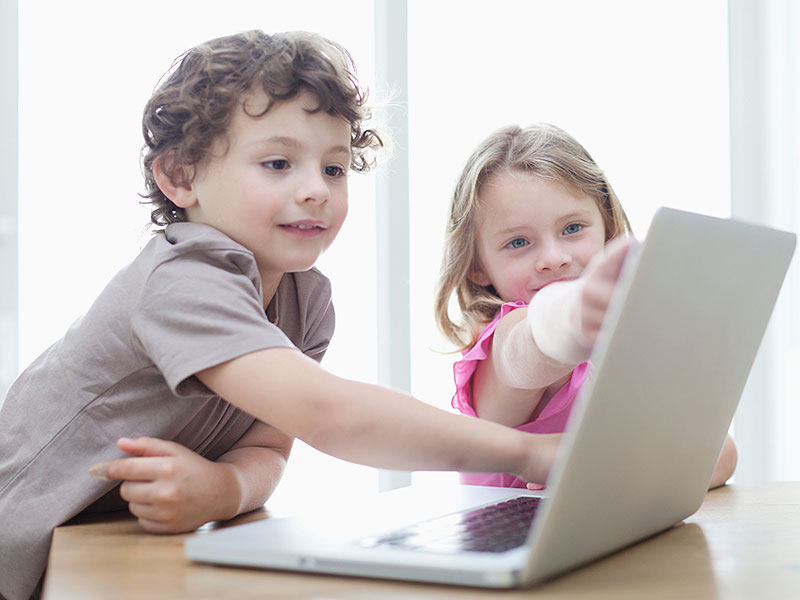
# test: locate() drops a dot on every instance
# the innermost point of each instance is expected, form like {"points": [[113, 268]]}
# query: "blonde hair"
{"points": [[541, 150]]}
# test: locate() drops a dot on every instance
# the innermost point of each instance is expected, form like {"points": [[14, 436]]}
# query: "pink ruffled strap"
{"points": [[464, 369]]}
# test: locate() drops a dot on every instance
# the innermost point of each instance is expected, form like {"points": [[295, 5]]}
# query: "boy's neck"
{"points": [[269, 285]]}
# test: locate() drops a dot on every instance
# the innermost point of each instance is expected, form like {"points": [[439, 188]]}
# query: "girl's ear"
{"points": [[477, 276], [178, 190]]}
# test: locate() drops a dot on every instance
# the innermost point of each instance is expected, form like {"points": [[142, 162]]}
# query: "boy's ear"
{"points": [[177, 189]]}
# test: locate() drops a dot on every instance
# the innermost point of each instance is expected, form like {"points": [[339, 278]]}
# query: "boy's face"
{"points": [[532, 232], [277, 184]]}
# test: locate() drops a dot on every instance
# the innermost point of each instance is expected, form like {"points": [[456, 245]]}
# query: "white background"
{"points": [[643, 85]]}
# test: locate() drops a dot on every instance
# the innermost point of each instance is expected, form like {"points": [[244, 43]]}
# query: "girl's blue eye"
{"points": [[518, 243], [574, 228], [333, 171], [278, 164]]}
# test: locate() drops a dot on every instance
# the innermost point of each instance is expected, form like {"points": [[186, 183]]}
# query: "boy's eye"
{"points": [[573, 228], [333, 171], [278, 164], [518, 243]]}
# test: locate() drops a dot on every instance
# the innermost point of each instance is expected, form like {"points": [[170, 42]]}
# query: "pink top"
{"points": [[553, 419]]}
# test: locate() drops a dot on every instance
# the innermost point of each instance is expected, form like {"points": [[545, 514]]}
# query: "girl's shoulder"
{"points": [[465, 367], [488, 331]]}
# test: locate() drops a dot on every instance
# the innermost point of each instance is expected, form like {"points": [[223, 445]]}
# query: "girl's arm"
{"points": [[371, 424], [512, 381], [535, 349], [726, 463]]}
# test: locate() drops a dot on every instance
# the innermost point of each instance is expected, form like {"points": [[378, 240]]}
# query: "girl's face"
{"points": [[532, 232]]}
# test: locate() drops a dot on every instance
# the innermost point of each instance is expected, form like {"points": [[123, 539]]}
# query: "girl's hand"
{"points": [[170, 488], [600, 279], [565, 317]]}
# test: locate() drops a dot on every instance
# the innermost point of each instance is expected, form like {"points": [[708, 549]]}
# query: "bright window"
{"points": [[642, 85], [87, 69]]}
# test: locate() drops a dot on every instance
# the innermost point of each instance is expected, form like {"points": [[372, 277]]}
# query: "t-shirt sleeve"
{"points": [[320, 320], [201, 309]]}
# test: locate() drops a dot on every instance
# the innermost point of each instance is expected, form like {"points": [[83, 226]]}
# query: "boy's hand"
{"points": [[540, 456], [600, 279], [168, 487]]}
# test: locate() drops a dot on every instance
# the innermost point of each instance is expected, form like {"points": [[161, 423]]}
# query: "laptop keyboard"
{"points": [[495, 528]]}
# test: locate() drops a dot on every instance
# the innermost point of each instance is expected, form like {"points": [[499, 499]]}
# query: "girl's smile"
{"points": [[533, 232]]}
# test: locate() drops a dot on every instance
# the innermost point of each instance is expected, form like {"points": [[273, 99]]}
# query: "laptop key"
{"points": [[495, 528]]}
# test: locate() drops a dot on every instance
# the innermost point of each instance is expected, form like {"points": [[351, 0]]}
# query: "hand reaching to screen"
{"points": [[599, 281], [565, 317]]}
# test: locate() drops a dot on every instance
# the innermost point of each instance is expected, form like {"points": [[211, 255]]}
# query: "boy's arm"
{"points": [[371, 424], [258, 460], [171, 489]]}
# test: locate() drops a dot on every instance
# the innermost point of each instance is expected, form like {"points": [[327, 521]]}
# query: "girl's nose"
{"points": [[552, 257]]}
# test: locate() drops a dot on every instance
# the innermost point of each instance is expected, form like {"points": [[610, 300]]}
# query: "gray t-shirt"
{"points": [[190, 300]]}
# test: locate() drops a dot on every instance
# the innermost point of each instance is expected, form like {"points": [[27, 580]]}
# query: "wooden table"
{"points": [[744, 542]]}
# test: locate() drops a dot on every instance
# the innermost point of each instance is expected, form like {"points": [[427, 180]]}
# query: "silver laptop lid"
{"points": [[677, 345]]}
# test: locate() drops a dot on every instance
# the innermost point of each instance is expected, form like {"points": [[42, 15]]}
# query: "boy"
{"points": [[194, 345]]}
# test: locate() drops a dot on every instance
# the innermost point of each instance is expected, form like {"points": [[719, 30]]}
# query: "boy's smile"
{"points": [[277, 184]]}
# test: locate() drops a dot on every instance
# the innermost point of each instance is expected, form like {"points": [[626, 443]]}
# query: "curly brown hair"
{"points": [[193, 106]]}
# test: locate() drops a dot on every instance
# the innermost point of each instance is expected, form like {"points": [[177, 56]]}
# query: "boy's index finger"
{"points": [[100, 471], [126, 469]]}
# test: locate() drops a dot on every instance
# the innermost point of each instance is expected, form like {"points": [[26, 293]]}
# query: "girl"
{"points": [[535, 241], [199, 360]]}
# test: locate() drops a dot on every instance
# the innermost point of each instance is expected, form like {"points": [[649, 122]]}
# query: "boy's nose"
{"points": [[314, 189]]}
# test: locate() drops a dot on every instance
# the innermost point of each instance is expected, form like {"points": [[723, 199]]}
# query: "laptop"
{"points": [[676, 347]]}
